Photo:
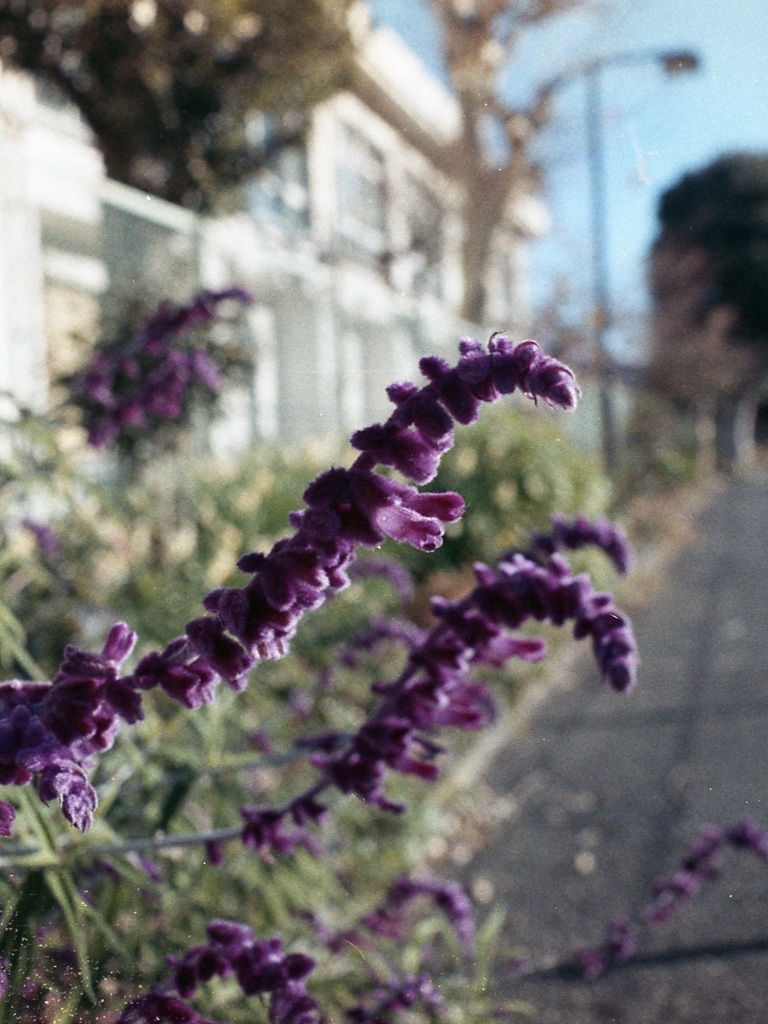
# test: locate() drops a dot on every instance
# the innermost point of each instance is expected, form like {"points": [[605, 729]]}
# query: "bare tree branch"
{"points": [[479, 37]]}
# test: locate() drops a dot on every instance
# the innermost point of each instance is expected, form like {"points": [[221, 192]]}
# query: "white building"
{"points": [[351, 247]]}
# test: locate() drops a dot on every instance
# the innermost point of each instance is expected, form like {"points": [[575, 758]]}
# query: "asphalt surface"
{"points": [[607, 791]]}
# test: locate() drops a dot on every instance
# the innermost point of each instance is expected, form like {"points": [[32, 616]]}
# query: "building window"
{"points": [[424, 214], [362, 194], [353, 388], [280, 192]]}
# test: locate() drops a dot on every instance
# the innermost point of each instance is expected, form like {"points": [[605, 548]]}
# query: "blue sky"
{"points": [[655, 127]]}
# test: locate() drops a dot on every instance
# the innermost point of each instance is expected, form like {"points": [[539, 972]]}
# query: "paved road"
{"points": [[610, 789]]}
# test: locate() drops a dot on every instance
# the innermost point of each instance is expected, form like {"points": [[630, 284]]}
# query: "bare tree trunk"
{"points": [[706, 436], [484, 209], [478, 38], [735, 431]]}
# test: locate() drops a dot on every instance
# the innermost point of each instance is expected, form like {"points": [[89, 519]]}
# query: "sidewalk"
{"points": [[608, 791]]}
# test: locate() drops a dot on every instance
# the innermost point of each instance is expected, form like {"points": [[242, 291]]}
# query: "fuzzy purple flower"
{"points": [[151, 378], [396, 996], [618, 946], [701, 863], [52, 730], [450, 897], [46, 538], [259, 966], [269, 831], [436, 689], [160, 1008], [747, 835], [349, 508], [7, 816], [180, 673], [582, 532]]}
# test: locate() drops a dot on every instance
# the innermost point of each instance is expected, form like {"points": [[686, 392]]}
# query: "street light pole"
{"points": [[601, 313], [672, 62]]}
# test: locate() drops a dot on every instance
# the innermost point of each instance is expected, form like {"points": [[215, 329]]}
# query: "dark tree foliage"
{"points": [[715, 221], [169, 87]]}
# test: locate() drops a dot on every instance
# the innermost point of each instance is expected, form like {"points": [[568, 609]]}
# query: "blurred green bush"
{"points": [[661, 447]]}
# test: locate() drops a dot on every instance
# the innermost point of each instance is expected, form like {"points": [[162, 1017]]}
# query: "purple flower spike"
{"points": [[449, 896], [399, 995], [7, 815], [47, 540], [523, 589], [350, 508], [160, 1008], [152, 377], [408, 451], [76, 795], [269, 831], [747, 835], [259, 966], [581, 533], [701, 863], [53, 729]]}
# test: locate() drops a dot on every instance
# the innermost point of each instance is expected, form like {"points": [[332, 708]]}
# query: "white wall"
{"points": [[329, 329]]}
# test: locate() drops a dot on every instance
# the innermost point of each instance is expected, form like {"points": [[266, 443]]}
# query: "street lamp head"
{"points": [[680, 62]]}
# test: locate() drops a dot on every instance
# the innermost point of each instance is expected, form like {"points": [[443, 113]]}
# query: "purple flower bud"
{"points": [[203, 367], [192, 684], [159, 1008], [620, 944], [224, 654], [214, 853], [124, 699], [47, 540], [449, 896], [748, 835], [591, 962], [7, 815], [417, 407], [267, 831], [77, 797], [408, 451], [120, 641], [450, 389]]}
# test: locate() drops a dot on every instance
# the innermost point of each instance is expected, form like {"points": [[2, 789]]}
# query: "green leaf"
{"points": [[64, 891], [17, 942], [12, 638]]}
